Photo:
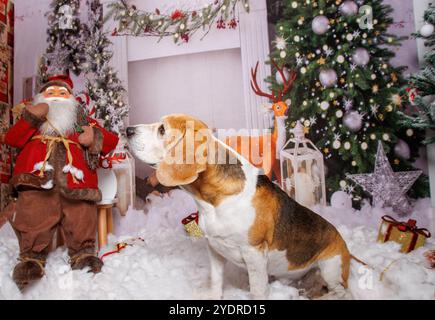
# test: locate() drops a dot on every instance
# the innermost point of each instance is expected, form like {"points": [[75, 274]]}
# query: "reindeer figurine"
{"points": [[267, 146]]}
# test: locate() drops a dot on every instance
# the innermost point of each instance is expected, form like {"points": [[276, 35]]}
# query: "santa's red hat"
{"points": [[62, 80]]}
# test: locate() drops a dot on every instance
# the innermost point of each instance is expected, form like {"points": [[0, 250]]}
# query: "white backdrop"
{"points": [[207, 85]]}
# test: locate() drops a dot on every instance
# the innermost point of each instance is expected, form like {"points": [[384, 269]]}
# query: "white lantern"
{"points": [[303, 170], [123, 165]]}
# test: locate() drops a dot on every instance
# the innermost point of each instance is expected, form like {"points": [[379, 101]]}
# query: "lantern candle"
{"points": [[302, 170]]}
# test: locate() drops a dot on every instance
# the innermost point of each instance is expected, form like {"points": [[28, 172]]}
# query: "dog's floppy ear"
{"points": [[186, 157]]}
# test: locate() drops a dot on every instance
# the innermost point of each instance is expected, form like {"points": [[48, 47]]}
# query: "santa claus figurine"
{"points": [[56, 180]]}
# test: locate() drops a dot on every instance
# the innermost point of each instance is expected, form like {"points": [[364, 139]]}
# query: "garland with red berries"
{"points": [[179, 24]]}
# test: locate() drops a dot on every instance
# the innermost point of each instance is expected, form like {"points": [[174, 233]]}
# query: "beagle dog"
{"points": [[246, 218]]}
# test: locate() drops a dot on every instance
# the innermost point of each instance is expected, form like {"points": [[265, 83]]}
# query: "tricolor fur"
{"points": [[246, 218]]}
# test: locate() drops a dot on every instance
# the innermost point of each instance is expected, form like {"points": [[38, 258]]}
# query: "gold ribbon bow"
{"points": [[51, 142]]}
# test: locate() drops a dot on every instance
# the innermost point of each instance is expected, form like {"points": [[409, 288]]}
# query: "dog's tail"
{"points": [[358, 260]]}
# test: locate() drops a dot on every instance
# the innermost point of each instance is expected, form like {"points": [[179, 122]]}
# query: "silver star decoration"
{"points": [[299, 61], [353, 67], [387, 188], [280, 43], [356, 33], [348, 104], [329, 52], [350, 189], [313, 120], [57, 60], [337, 136], [374, 109]]}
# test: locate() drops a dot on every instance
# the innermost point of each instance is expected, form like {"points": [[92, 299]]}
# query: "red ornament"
{"points": [[412, 94], [233, 23], [221, 24], [115, 32], [177, 14], [148, 29], [185, 37]]}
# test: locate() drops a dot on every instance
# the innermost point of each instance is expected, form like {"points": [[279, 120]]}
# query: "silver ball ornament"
{"points": [[349, 8], [279, 78], [427, 29], [328, 77], [402, 150], [320, 25], [341, 200], [353, 121], [361, 56]]}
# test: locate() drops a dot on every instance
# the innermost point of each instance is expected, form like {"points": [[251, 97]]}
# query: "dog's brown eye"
{"points": [[162, 130]]}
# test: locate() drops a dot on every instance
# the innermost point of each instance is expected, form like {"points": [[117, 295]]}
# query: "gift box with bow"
{"points": [[191, 225], [405, 233]]}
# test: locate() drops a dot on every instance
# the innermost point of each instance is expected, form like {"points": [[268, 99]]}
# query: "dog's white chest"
{"points": [[227, 227]]}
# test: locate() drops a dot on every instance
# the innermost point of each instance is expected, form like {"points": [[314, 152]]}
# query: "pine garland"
{"points": [[179, 24]]}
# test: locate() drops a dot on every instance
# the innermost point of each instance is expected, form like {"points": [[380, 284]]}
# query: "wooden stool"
{"points": [[105, 222]]}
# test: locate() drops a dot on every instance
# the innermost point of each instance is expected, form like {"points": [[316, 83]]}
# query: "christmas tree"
{"points": [[347, 94], [422, 85], [66, 42], [102, 84]]}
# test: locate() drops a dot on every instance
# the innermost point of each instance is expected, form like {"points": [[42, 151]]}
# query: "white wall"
{"points": [[205, 85], [30, 40]]}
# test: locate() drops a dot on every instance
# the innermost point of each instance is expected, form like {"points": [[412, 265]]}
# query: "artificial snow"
{"points": [[170, 265]]}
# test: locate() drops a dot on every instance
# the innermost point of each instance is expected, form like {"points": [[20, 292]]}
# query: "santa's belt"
{"points": [[51, 142]]}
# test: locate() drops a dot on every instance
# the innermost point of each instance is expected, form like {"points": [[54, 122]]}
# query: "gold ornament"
{"points": [[396, 161], [375, 88], [321, 61], [342, 80], [396, 99], [326, 151], [394, 77]]}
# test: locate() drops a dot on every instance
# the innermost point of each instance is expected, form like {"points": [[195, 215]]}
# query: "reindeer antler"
{"points": [[256, 87], [288, 83], [272, 96]]}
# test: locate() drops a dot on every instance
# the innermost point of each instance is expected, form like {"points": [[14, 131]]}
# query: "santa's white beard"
{"points": [[62, 115]]}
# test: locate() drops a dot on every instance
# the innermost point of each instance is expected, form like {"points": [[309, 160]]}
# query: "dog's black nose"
{"points": [[130, 131]]}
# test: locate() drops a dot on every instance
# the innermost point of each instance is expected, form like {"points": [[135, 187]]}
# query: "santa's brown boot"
{"points": [[82, 260], [29, 269]]}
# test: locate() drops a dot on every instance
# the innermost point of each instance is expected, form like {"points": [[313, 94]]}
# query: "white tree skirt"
{"points": [[170, 265]]}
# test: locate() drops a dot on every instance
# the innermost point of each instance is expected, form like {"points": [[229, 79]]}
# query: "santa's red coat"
{"points": [[34, 151]]}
